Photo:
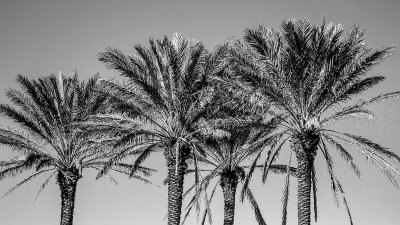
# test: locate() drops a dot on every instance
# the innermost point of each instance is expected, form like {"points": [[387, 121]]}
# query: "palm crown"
{"points": [[47, 110]]}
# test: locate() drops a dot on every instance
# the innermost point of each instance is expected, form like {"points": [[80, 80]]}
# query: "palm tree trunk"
{"points": [[67, 182], [305, 146], [229, 184], [304, 166], [176, 175]]}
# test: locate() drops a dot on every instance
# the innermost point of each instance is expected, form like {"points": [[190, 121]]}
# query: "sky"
{"points": [[41, 37]]}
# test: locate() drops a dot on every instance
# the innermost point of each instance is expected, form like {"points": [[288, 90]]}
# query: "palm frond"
{"points": [[25, 181], [271, 157], [143, 156], [248, 177], [345, 154], [44, 185], [376, 147], [314, 193], [256, 208], [208, 211], [285, 197]]}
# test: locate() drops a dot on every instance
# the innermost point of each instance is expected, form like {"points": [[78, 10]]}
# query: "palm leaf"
{"points": [[285, 198], [44, 185], [256, 208], [25, 181]]}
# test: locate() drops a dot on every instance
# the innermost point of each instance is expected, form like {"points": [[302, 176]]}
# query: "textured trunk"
{"points": [[229, 184], [67, 182], [175, 186], [305, 145], [304, 166]]}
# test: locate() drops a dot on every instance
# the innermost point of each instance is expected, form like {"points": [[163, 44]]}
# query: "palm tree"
{"points": [[224, 157], [310, 73], [46, 111], [225, 160], [160, 105]]}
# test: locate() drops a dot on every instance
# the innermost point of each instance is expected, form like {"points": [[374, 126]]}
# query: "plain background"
{"points": [[44, 36]]}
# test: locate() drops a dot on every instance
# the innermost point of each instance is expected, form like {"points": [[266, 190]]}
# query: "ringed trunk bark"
{"points": [[67, 182], [304, 166], [175, 187], [305, 146], [229, 185]]}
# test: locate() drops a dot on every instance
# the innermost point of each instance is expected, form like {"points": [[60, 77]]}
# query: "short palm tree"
{"points": [[310, 73], [46, 112], [159, 106], [225, 160]]}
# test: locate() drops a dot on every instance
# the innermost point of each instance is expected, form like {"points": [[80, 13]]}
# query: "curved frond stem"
{"points": [[285, 197], [44, 185], [26, 180], [248, 177]]}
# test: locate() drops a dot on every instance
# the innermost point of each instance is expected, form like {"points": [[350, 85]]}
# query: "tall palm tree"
{"points": [[159, 106], [311, 73], [45, 112]]}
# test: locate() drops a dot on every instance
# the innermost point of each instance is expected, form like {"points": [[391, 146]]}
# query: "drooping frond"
{"points": [[375, 147], [314, 193], [272, 155], [207, 212], [376, 154], [33, 176], [335, 184], [248, 177], [44, 185], [344, 153], [285, 198], [142, 157], [256, 208]]}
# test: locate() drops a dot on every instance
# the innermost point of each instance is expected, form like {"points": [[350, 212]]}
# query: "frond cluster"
{"points": [[48, 113]]}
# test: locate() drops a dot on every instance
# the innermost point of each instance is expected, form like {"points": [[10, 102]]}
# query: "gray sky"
{"points": [[43, 36]]}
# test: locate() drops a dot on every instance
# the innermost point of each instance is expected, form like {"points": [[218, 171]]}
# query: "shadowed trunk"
{"points": [[175, 186], [67, 182], [228, 183], [305, 146]]}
